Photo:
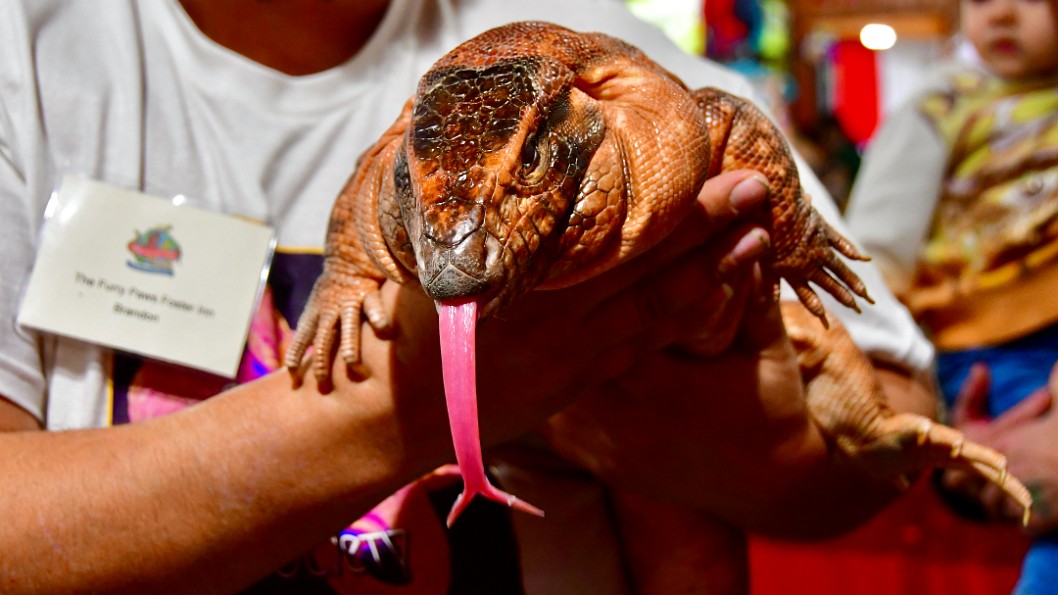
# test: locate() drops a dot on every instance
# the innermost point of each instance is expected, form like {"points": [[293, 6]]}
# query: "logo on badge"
{"points": [[154, 251]]}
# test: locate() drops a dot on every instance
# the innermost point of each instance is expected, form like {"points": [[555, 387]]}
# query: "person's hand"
{"points": [[1027, 434], [1032, 453], [725, 432], [549, 346]]}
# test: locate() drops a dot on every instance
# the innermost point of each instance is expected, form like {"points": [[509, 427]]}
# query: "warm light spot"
{"points": [[876, 36]]}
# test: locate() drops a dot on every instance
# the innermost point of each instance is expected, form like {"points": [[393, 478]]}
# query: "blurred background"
{"points": [[830, 71]]}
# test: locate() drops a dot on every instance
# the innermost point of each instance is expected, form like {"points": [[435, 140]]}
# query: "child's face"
{"points": [[1015, 38]]}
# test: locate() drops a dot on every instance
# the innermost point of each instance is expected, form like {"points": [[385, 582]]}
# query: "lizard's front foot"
{"points": [[814, 257], [337, 299]]}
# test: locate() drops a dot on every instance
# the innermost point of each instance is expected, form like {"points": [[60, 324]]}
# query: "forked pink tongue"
{"points": [[458, 320]]}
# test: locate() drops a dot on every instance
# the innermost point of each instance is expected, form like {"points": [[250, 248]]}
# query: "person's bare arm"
{"points": [[207, 499], [15, 419]]}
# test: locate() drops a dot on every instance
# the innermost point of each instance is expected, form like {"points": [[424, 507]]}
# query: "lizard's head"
{"points": [[494, 159]]}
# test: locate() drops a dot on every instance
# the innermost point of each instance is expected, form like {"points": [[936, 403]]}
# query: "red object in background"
{"points": [[855, 89], [915, 546], [726, 31]]}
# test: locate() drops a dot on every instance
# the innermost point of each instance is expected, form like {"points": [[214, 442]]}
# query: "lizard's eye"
{"points": [[535, 159]]}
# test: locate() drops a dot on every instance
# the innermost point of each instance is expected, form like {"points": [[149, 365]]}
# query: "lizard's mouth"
{"points": [[449, 281], [471, 269], [489, 299]]}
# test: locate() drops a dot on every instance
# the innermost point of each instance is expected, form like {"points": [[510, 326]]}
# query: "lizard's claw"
{"points": [[914, 442], [815, 258], [335, 308]]}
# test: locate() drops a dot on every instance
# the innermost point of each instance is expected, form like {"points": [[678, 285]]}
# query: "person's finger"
{"points": [[731, 194], [1027, 409], [722, 200], [708, 327], [971, 404], [764, 326]]}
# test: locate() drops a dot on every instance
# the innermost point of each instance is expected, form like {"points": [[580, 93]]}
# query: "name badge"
{"points": [[137, 273]]}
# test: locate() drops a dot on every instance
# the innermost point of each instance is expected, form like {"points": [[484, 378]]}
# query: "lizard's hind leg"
{"points": [[848, 404]]}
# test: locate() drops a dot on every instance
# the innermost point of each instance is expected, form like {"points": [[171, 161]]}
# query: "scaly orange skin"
{"points": [[532, 157]]}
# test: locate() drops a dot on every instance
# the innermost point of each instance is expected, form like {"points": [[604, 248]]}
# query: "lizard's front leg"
{"points": [[805, 247]]}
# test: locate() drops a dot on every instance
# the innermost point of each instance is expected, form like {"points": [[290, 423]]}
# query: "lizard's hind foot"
{"points": [[938, 445]]}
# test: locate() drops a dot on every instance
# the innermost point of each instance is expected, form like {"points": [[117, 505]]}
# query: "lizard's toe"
{"points": [[323, 345]]}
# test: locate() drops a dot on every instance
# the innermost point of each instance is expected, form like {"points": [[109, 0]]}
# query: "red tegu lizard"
{"points": [[532, 157]]}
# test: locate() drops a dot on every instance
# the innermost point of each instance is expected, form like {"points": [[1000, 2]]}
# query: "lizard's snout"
{"points": [[465, 268]]}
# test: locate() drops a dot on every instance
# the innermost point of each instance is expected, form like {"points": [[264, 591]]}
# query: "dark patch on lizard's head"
{"points": [[495, 155], [468, 112]]}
